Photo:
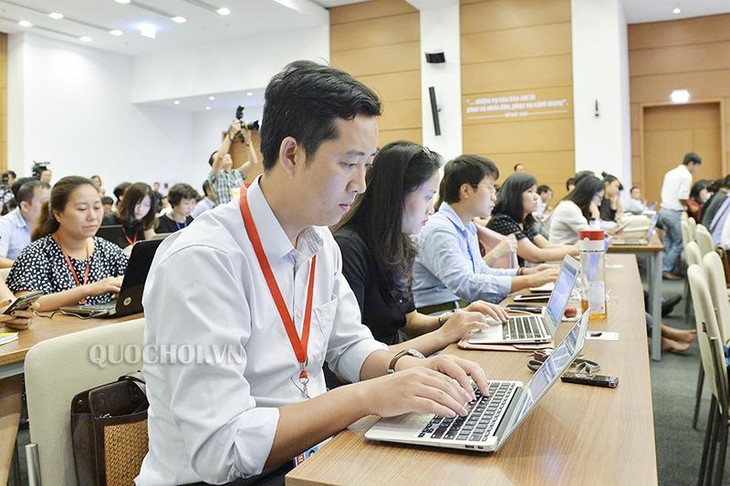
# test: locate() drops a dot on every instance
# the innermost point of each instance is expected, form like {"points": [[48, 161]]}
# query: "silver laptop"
{"points": [[531, 329], [491, 420], [638, 241]]}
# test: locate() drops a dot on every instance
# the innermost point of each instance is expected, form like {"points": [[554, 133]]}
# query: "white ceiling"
{"points": [[641, 11]]}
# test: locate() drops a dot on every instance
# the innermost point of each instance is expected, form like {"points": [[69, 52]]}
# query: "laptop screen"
{"points": [[561, 293], [652, 226]]}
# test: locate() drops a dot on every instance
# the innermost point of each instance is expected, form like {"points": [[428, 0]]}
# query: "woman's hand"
{"points": [[109, 284], [461, 323], [504, 248], [18, 320], [495, 311]]}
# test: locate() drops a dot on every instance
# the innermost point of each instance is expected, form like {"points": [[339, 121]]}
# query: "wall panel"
{"points": [[3, 101]]}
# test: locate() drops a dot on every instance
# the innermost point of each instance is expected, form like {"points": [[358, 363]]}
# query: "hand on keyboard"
{"points": [[462, 323], [494, 311]]}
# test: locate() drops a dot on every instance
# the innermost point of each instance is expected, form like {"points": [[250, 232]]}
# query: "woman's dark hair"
{"points": [[181, 191], [608, 179], [694, 193], [583, 192], [134, 195], [398, 169], [60, 193], [509, 198], [464, 169], [304, 100]]}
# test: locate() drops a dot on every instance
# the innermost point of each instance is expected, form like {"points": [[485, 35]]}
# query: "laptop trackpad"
{"points": [[491, 335], [410, 423]]}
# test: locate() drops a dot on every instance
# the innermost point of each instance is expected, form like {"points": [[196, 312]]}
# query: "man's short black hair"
{"points": [[465, 169], [692, 157], [304, 100], [181, 191], [107, 200], [543, 188], [27, 190], [15, 188], [119, 190]]}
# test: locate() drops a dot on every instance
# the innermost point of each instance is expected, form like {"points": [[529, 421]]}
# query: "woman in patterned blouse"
{"points": [[512, 215], [65, 260]]}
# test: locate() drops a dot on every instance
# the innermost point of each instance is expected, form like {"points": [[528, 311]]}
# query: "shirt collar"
{"points": [[19, 220], [273, 238], [451, 215]]}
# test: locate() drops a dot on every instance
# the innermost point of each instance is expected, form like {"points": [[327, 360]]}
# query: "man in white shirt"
{"points": [[16, 226], [242, 406], [675, 192], [208, 201]]}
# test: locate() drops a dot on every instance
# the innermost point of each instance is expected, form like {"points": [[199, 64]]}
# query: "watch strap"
{"points": [[410, 352]]}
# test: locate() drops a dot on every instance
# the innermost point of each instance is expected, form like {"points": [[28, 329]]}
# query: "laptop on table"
{"points": [[638, 241], [130, 296], [491, 420], [534, 329]]}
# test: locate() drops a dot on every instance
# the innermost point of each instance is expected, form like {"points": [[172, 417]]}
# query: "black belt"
{"points": [[446, 306]]}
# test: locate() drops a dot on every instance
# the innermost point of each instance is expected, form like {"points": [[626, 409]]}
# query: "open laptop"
{"points": [[638, 241], [491, 420], [532, 329], [112, 232], [130, 296]]}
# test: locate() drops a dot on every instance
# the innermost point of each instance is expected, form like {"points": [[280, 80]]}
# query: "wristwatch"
{"points": [[411, 352]]}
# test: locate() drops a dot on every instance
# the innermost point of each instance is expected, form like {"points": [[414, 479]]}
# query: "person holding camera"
{"points": [[222, 178]]}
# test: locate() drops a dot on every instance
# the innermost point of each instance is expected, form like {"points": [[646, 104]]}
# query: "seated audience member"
{"points": [[182, 200], [570, 184], [378, 252], [208, 201], [449, 266], [513, 215], [545, 195], [96, 180], [120, 190], [610, 207], [165, 207], [225, 419], [158, 196], [17, 226], [18, 320], [518, 167], [574, 212], [636, 204], [8, 178], [718, 193], [698, 195], [223, 179], [65, 260], [108, 204], [45, 176], [135, 214]]}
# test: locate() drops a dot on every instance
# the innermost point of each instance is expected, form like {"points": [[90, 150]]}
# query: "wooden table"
{"points": [[577, 435], [12, 355], [654, 251]]}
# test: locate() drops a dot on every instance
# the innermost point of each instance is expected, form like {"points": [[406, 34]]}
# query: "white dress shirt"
{"points": [[216, 422], [676, 186], [565, 223], [14, 234]]}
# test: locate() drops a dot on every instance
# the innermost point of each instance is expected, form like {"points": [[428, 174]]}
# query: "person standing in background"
{"points": [[222, 178]]}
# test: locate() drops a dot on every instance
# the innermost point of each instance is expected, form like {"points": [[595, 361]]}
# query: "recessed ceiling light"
{"points": [[176, 102], [116, 32], [179, 20], [123, 2], [148, 31], [223, 11], [677, 11], [249, 93], [56, 15], [679, 96], [25, 23], [211, 98], [85, 38], [207, 107]]}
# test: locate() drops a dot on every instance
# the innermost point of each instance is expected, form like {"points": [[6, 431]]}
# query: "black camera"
{"points": [[254, 125], [39, 167]]}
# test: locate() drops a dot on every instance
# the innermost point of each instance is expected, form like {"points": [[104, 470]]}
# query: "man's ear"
{"points": [[465, 191], [290, 154]]}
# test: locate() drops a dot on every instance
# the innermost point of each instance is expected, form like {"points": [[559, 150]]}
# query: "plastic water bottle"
{"points": [[593, 272]]}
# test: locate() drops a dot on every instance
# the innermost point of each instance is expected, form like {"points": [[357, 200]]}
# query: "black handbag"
{"points": [[109, 432]]}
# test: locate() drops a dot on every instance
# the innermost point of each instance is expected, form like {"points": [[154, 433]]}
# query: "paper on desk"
{"points": [[602, 336]]}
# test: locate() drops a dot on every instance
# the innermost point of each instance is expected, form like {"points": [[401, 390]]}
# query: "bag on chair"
{"points": [[725, 263], [109, 432]]}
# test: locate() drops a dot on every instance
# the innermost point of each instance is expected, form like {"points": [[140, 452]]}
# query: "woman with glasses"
{"points": [[136, 215], [378, 252]]}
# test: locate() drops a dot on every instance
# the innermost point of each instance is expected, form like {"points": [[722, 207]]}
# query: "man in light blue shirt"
{"points": [[449, 266], [16, 226]]}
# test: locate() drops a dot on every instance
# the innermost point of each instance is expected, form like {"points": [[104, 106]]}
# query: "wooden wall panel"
{"points": [[514, 48], [693, 54], [378, 42], [3, 101]]}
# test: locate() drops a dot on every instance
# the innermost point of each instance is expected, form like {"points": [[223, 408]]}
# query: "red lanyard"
{"points": [[71, 267], [130, 241], [298, 345]]}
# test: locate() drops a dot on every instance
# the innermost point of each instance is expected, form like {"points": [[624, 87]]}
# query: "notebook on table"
{"points": [[638, 241], [491, 420], [535, 328], [130, 296]]}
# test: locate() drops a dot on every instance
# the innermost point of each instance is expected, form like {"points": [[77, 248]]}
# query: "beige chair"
{"points": [[704, 240], [11, 391], [4, 272], [685, 234], [713, 363], [692, 224], [693, 254], [55, 371]]}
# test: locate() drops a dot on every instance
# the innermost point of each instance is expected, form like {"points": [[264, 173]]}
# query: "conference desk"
{"points": [[577, 435], [654, 251], [12, 355]]}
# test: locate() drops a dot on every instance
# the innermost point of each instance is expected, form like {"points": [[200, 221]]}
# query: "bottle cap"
{"points": [[591, 234]]}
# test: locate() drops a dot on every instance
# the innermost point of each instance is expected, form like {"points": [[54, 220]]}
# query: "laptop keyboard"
{"points": [[101, 307], [523, 327], [484, 415]]}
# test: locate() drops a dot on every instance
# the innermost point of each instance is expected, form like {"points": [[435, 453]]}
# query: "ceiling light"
{"points": [[116, 32], [123, 2], [679, 96], [211, 98], [223, 11], [25, 23], [176, 102], [85, 38], [148, 31], [179, 20], [56, 15], [249, 93], [677, 11], [207, 107]]}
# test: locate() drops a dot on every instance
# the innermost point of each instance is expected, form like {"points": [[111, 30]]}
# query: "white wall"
{"points": [[601, 73], [440, 32]]}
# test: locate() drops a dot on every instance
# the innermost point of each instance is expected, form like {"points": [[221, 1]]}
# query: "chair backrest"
{"points": [[704, 240], [717, 285], [693, 254], [685, 233], [58, 369], [4, 272], [707, 328], [692, 225]]}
